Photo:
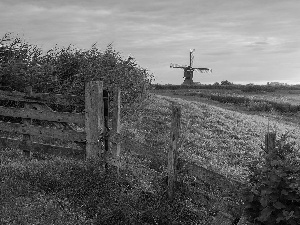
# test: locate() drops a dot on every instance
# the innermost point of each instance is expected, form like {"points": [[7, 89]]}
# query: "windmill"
{"points": [[189, 70]]}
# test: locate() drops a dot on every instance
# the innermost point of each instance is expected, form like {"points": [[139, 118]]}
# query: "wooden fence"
{"points": [[96, 131], [87, 142]]}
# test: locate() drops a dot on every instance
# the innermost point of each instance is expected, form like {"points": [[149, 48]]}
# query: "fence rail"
{"points": [[41, 97], [41, 115], [36, 108]]}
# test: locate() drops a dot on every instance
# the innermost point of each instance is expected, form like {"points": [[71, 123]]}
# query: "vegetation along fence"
{"points": [[202, 174], [92, 140]]}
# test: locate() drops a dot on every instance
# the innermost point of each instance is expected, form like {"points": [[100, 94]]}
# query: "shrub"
{"points": [[66, 70], [18, 60], [258, 88], [259, 106], [229, 99], [226, 82], [273, 196]]}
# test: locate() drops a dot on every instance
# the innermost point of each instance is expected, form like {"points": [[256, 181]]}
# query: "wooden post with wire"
{"points": [[172, 153], [270, 142]]}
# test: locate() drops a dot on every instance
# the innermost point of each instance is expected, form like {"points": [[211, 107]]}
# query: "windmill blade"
{"points": [[172, 65], [191, 57], [203, 70]]}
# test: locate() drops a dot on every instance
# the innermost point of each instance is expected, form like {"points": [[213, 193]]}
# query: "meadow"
{"points": [[66, 191], [282, 101], [281, 96], [286, 96], [223, 138]]}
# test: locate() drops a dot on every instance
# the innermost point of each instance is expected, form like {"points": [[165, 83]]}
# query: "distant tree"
{"points": [[216, 84], [226, 82]]}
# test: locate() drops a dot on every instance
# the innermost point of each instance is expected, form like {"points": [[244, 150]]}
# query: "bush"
{"points": [[229, 99], [66, 70], [258, 88], [259, 106], [226, 82], [274, 193]]}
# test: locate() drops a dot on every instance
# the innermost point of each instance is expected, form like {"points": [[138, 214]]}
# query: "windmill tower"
{"points": [[189, 70]]}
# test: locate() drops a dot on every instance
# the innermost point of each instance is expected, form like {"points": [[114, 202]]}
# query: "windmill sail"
{"points": [[191, 57], [203, 70], [174, 65]]}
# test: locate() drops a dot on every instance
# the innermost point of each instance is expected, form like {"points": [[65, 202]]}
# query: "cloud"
{"points": [[233, 37], [260, 43]]}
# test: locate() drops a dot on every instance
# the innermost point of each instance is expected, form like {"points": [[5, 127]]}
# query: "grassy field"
{"points": [[65, 191], [224, 140], [287, 96]]}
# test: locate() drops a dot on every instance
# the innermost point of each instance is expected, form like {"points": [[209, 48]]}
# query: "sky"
{"points": [[242, 41]]}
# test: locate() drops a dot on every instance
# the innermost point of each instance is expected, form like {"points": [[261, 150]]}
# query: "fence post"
{"points": [[116, 127], [270, 141], [172, 153], [106, 128], [27, 145], [94, 118]]}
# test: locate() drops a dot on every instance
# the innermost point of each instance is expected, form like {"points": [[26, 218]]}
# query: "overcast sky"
{"points": [[242, 41]]}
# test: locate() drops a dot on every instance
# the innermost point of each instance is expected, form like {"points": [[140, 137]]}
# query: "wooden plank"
{"points": [[44, 108], [27, 113], [12, 93], [45, 132], [172, 153], [6, 88], [59, 98], [94, 118], [42, 98], [18, 98], [43, 149]]}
